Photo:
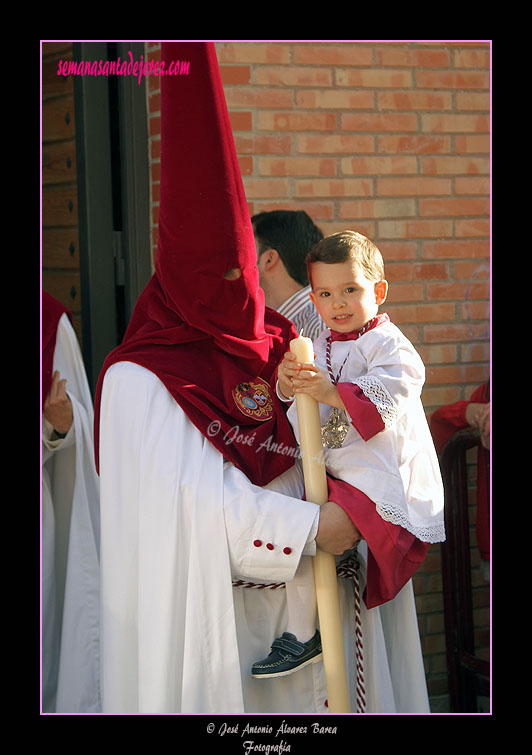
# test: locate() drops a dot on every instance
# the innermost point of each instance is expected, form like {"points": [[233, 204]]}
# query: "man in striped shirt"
{"points": [[283, 239]]}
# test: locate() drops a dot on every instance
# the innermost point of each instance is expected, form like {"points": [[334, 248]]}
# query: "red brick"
{"points": [[414, 100], [154, 125], [378, 208], [374, 78], [471, 269], [253, 97], [296, 166], [471, 144], [332, 99], [417, 144], [367, 228], [473, 185], [423, 313], [379, 122], [392, 55], [337, 144], [451, 290], [404, 292], [376, 166], [398, 271], [468, 373], [154, 103], [438, 354], [292, 76], [448, 333], [453, 207], [235, 74], [259, 188], [440, 396], [398, 250], [473, 101], [155, 172], [335, 187], [430, 271], [321, 212], [468, 228], [155, 148], [455, 249], [452, 80], [154, 85], [240, 120], [255, 144], [413, 186], [246, 165], [297, 121], [455, 124], [243, 52], [475, 352], [325, 53], [409, 229], [456, 165], [476, 310], [471, 59]]}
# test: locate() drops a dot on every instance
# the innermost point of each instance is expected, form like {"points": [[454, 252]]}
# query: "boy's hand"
{"points": [[310, 379]]}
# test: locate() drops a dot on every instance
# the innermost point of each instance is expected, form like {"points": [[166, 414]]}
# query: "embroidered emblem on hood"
{"points": [[253, 399]]}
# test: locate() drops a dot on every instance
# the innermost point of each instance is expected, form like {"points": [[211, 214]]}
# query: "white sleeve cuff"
{"points": [[280, 396]]}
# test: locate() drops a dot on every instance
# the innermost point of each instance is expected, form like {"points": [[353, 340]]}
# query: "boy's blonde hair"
{"points": [[348, 245]]}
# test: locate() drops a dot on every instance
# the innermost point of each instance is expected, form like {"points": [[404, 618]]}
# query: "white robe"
{"points": [[178, 523], [70, 543]]}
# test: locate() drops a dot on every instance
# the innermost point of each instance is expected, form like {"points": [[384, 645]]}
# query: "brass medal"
{"points": [[333, 432]]}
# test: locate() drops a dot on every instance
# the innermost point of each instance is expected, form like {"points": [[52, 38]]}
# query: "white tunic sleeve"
{"points": [[394, 375], [267, 531]]}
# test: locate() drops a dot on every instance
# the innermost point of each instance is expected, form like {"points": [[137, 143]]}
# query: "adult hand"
{"points": [[58, 407], [478, 416], [336, 531], [287, 370], [484, 426]]}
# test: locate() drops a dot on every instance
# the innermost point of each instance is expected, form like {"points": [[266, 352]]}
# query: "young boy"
{"points": [[367, 379]]}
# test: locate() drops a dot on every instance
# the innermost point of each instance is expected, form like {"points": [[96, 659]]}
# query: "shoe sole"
{"points": [[314, 659]]}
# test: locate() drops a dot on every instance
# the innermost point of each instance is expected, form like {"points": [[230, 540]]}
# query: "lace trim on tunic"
{"points": [[434, 533], [377, 393]]}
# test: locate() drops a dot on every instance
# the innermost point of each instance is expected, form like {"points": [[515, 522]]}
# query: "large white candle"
{"points": [[334, 659]]}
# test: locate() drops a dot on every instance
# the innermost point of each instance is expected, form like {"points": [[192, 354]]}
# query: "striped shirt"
{"points": [[301, 311]]}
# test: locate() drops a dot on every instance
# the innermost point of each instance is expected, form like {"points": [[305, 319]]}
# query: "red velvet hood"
{"points": [[209, 340]]}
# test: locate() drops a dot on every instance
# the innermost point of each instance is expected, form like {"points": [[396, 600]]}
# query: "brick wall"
{"points": [[60, 233], [392, 140]]}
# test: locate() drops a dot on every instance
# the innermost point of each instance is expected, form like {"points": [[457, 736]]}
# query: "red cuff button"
{"points": [[269, 546], [257, 543], [287, 550]]}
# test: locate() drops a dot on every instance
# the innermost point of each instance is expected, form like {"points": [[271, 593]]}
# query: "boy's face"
{"points": [[343, 296]]}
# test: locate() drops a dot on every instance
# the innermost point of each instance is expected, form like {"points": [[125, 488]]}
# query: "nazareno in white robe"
{"points": [[178, 524], [70, 544]]}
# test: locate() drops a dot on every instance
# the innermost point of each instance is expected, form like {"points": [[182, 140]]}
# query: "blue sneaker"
{"points": [[288, 655]]}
